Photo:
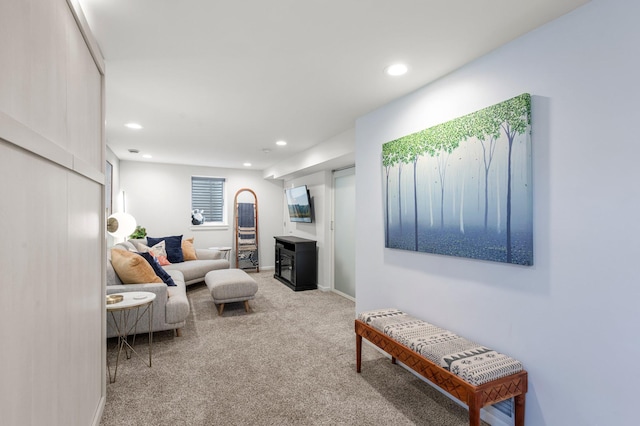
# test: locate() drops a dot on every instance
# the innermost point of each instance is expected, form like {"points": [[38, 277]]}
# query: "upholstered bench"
{"points": [[230, 285], [474, 374]]}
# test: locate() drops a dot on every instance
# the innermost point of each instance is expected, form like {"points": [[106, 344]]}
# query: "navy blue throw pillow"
{"points": [[159, 270], [173, 246]]}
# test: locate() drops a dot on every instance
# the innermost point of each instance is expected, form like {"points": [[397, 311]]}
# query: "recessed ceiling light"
{"points": [[281, 143], [147, 156], [247, 164], [396, 69], [134, 126]]}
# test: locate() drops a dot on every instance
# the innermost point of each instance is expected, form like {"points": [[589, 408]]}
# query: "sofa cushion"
{"points": [[188, 251], [210, 254], [132, 268], [127, 245], [159, 270], [173, 245], [197, 269], [177, 307]]}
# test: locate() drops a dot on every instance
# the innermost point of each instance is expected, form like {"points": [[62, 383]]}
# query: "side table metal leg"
{"points": [[150, 331], [135, 328], [120, 326]]}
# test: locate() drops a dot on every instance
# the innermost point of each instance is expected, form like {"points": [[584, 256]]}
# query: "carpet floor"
{"points": [[290, 361]]}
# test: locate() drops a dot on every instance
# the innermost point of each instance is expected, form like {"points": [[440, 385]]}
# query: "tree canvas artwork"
{"points": [[463, 187]]}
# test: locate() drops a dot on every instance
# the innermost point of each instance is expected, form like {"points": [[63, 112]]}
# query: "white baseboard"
{"points": [[97, 419], [353, 299]]}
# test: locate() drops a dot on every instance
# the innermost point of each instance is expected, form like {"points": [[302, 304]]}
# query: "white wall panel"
{"points": [[37, 273], [45, 91], [82, 356], [51, 192], [33, 63], [54, 275], [14, 64], [83, 113]]}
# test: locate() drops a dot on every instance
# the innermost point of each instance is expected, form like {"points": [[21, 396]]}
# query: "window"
{"points": [[207, 194]]}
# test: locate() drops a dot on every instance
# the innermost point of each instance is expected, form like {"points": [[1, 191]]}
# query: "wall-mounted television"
{"points": [[299, 204]]}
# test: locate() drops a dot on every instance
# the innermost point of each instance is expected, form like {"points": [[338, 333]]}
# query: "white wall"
{"points": [[573, 317], [319, 185], [159, 197]]}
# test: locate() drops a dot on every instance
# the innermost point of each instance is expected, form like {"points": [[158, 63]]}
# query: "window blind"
{"points": [[207, 194]]}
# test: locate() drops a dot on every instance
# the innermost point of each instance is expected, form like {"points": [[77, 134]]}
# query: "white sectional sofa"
{"points": [[171, 306]]}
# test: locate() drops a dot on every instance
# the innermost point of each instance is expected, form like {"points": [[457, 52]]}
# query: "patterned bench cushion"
{"points": [[473, 363]]}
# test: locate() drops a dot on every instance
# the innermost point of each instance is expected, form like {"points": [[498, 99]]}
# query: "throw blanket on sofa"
{"points": [[473, 363]]}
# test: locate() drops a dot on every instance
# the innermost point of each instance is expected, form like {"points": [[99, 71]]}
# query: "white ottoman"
{"points": [[230, 285]]}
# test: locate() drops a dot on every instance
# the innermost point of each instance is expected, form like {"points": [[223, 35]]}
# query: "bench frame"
{"points": [[475, 397]]}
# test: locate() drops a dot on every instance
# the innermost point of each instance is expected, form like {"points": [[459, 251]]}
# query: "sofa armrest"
{"points": [[209, 254]]}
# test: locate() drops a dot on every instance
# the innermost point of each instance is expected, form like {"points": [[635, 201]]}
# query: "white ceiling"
{"points": [[217, 82]]}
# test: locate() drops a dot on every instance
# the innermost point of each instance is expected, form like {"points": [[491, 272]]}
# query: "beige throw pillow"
{"points": [[132, 268], [157, 250], [188, 250]]}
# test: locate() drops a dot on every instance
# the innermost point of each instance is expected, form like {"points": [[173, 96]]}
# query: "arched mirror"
{"points": [[246, 210]]}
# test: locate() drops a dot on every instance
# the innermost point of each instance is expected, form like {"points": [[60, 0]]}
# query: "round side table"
{"points": [[133, 304], [225, 250]]}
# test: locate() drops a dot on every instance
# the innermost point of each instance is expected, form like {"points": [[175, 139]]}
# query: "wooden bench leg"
{"points": [[246, 306], [220, 308], [393, 360], [519, 409], [178, 332], [358, 352], [474, 412]]}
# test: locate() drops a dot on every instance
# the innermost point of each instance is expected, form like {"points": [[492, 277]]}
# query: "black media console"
{"points": [[296, 264]]}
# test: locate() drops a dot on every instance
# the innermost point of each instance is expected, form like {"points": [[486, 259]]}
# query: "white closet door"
{"points": [[344, 228]]}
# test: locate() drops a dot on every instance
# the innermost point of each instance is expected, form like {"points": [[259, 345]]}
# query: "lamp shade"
{"points": [[121, 225]]}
